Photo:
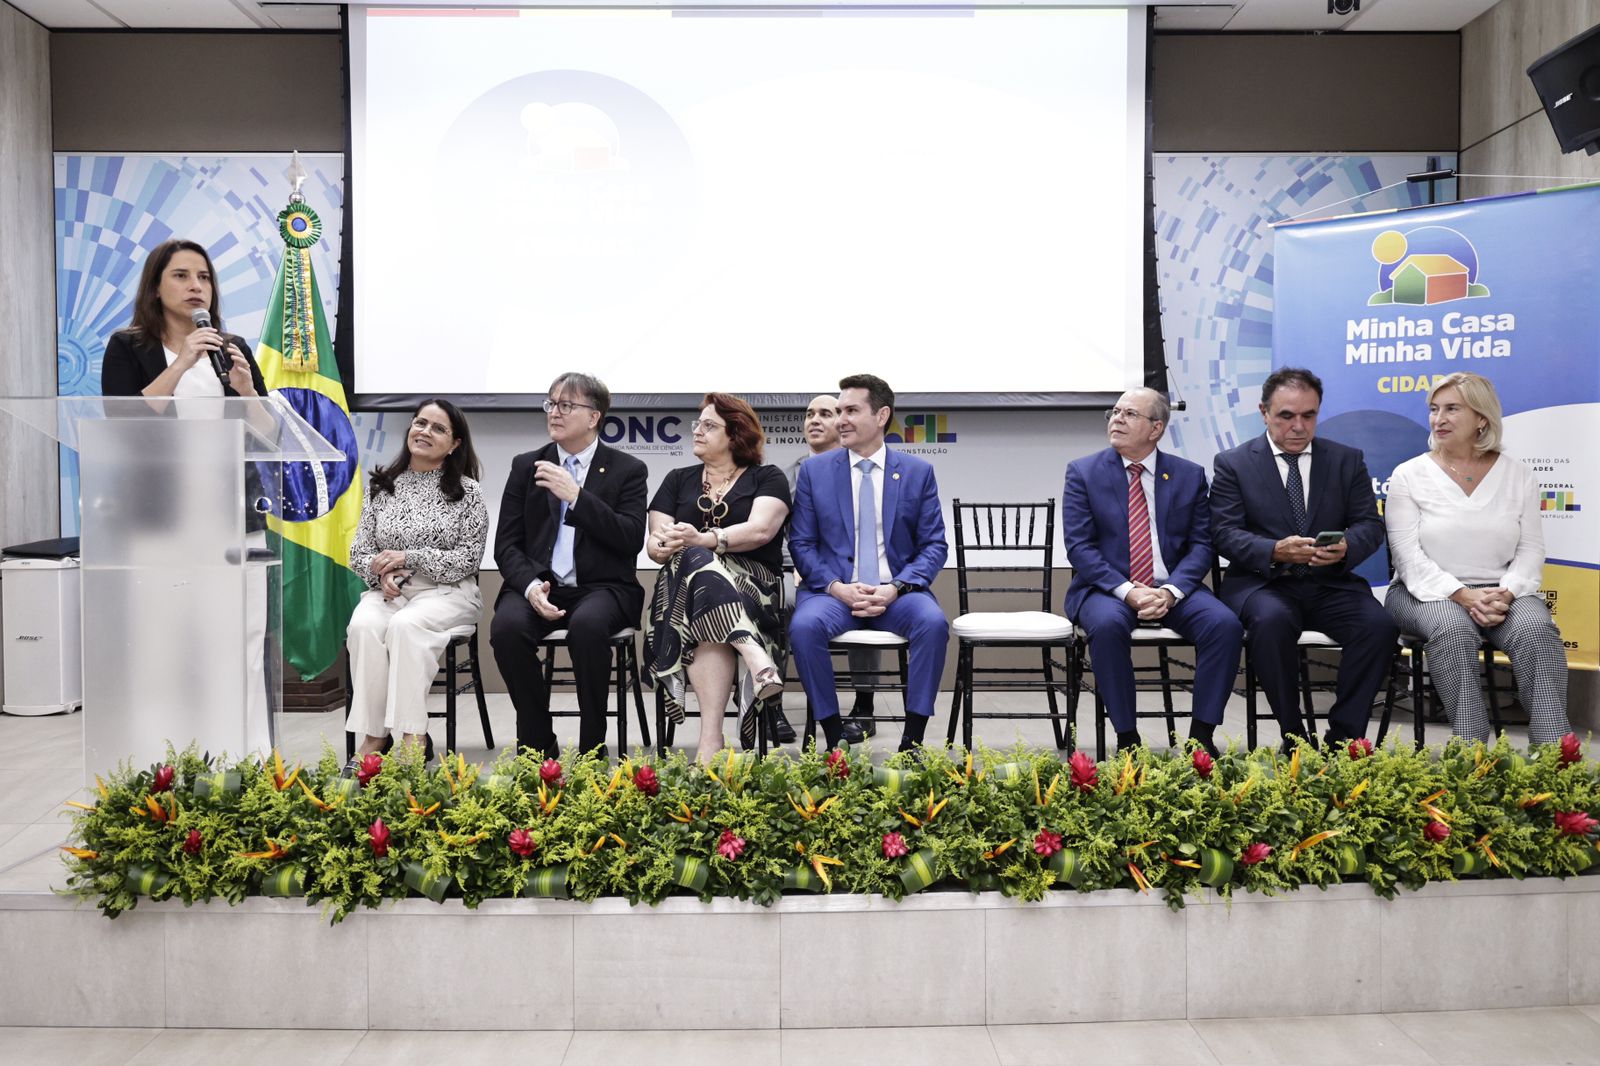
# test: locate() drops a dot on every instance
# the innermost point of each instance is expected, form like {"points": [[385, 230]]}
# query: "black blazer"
{"points": [[609, 519], [131, 363], [1250, 514]]}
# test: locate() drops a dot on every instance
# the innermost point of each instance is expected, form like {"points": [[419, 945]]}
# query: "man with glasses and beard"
{"points": [[572, 521]]}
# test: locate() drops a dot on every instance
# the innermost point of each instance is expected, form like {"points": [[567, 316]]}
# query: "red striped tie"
{"points": [[1141, 565]]}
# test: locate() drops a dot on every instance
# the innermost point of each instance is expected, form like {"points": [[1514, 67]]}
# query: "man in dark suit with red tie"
{"points": [[1138, 535], [572, 521], [1271, 498]]}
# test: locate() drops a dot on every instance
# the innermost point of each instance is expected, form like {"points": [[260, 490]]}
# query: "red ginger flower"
{"points": [[1254, 853], [371, 766], [1575, 823], [1436, 831], [522, 842], [192, 843], [163, 781], [838, 763], [1202, 762], [730, 846], [1046, 843], [1085, 774], [1571, 749], [1360, 748], [894, 846], [646, 781], [378, 833], [550, 772]]}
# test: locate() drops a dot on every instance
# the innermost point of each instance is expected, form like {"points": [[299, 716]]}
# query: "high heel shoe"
{"points": [[768, 682]]}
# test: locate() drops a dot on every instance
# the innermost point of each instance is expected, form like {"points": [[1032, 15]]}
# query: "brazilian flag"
{"points": [[321, 502]]}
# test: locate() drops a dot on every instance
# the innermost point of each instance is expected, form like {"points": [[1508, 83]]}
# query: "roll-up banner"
{"points": [[1382, 305]]}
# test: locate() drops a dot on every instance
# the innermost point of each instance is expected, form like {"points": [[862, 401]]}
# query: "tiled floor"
{"points": [[41, 759], [1534, 1037]]}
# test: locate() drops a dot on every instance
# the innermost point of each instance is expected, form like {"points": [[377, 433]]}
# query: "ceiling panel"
{"points": [[1199, 17], [184, 14], [1289, 15], [1399, 15], [66, 14], [302, 16]]}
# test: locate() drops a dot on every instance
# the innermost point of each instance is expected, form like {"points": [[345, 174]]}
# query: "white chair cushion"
{"points": [[869, 638], [462, 630], [1313, 638], [1143, 635], [1011, 625], [559, 636], [1156, 634]]}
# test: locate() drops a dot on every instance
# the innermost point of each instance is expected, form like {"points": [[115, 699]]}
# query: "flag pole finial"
{"points": [[297, 176]]}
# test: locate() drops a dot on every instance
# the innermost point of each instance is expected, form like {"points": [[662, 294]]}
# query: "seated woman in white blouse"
{"points": [[418, 548], [1468, 556]]}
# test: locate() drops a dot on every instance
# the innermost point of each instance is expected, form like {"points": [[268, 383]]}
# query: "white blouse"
{"points": [[1441, 539]]}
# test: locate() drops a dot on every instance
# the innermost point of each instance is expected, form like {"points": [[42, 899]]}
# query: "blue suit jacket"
{"points": [[1094, 523], [1251, 514], [822, 530]]}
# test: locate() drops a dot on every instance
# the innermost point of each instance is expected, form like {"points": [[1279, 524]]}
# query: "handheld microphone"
{"points": [[220, 362]]}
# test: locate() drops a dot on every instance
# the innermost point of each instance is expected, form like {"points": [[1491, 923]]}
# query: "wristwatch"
{"points": [[903, 587]]}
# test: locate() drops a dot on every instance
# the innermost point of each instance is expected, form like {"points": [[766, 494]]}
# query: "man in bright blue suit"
{"points": [[1137, 527], [867, 538]]}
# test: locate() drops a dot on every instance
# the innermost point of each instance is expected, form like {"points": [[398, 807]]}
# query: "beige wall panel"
{"points": [[28, 476], [198, 92], [1305, 93]]}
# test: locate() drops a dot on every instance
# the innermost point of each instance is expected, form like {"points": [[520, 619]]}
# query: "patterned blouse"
{"points": [[443, 541]]}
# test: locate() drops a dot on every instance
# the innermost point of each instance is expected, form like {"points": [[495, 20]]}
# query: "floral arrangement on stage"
{"points": [[1018, 821]]}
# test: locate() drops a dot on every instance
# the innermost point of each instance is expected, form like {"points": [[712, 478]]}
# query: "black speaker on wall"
{"points": [[1568, 83]]}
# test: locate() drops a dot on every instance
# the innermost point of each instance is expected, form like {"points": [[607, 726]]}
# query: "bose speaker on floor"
{"points": [[1568, 83]]}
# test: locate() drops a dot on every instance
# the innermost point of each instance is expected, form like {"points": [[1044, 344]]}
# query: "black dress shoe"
{"points": [[851, 732], [779, 731], [427, 748], [862, 721]]}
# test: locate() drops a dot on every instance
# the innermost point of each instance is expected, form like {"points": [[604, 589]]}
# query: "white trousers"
{"points": [[395, 647]]}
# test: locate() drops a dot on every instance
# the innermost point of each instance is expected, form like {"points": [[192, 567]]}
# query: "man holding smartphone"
{"points": [[1294, 516]]}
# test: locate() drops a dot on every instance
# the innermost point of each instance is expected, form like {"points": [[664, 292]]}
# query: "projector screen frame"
{"points": [[1155, 374]]}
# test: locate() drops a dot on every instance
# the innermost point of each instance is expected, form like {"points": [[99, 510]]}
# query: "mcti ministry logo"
{"points": [[1427, 265]]}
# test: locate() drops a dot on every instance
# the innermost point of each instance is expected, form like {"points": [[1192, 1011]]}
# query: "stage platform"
{"points": [[940, 958]]}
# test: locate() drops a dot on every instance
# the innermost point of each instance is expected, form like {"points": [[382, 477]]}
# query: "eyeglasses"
{"points": [[1114, 413], [430, 427], [704, 423], [565, 406]]}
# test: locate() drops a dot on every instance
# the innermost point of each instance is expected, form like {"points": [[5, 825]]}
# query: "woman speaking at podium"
{"points": [[166, 352], [418, 547]]}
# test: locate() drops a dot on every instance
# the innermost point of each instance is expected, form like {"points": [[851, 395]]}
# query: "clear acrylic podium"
{"points": [[182, 576]]}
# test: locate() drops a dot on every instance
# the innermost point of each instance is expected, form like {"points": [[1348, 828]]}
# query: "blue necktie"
{"points": [[1297, 506], [561, 557], [866, 527]]}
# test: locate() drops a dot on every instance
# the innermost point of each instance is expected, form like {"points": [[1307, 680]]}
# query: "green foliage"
{"points": [[988, 819]]}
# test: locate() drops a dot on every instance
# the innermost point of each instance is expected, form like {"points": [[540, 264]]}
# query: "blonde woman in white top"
{"points": [[1468, 554]]}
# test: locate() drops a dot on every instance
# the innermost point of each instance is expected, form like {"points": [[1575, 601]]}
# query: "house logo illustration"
{"points": [[1428, 265]]}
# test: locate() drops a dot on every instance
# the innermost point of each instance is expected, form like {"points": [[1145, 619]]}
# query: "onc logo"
{"points": [[642, 429]]}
